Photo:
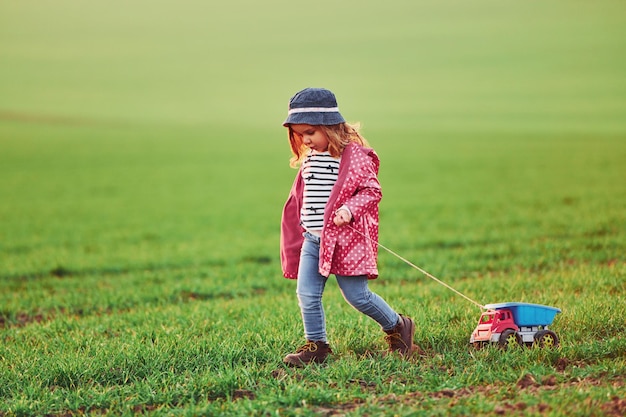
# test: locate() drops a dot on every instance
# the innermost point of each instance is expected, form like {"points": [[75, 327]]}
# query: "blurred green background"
{"points": [[148, 131], [418, 66]]}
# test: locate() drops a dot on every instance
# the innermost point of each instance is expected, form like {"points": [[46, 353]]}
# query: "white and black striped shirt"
{"points": [[319, 172]]}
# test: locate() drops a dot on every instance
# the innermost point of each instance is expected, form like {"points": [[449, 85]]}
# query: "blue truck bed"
{"points": [[526, 314]]}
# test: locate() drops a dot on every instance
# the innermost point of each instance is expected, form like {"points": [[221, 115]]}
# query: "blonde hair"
{"points": [[339, 136]]}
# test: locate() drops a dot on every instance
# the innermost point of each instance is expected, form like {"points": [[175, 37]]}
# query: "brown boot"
{"points": [[400, 338], [310, 352]]}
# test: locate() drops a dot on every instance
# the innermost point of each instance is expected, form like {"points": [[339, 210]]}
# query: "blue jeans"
{"points": [[310, 287]]}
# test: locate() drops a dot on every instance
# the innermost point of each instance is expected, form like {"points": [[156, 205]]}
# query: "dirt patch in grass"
{"points": [[615, 406], [22, 319]]}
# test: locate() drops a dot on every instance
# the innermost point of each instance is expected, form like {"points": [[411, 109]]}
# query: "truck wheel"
{"points": [[546, 338], [509, 338]]}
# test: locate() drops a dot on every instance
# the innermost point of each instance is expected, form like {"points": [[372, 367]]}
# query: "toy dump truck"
{"points": [[509, 324]]}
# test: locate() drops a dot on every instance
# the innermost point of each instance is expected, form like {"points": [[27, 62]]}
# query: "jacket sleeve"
{"points": [[291, 231], [367, 191]]}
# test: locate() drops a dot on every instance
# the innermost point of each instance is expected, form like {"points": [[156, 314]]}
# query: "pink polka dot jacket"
{"points": [[343, 251]]}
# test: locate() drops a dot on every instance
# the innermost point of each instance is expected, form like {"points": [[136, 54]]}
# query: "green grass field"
{"points": [[143, 168]]}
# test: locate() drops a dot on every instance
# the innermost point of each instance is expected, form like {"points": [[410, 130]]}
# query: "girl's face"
{"points": [[311, 136]]}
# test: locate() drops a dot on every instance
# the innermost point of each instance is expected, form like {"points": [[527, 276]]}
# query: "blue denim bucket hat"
{"points": [[314, 106]]}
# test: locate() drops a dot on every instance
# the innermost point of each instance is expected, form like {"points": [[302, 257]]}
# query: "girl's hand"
{"points": [[342, 217]]}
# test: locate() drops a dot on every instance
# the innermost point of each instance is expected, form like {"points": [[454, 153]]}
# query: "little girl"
{"points": [[330, 223]]}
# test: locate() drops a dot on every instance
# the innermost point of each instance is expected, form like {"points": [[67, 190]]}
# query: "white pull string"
{"points": [[420, 269]]}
